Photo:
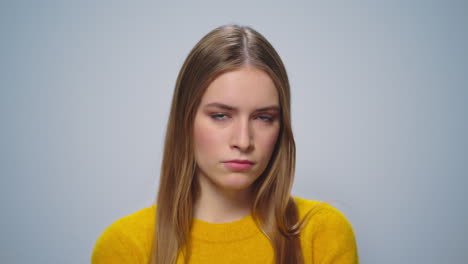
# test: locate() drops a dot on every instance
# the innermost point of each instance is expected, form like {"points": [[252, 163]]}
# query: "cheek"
{"points": [[268, 142], [205, 140]]}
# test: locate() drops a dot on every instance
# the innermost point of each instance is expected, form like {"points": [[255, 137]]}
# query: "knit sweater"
{"points": [[327, 238]]}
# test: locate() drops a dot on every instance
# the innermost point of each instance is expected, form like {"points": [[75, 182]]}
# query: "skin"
{"points": [[222, 134]]}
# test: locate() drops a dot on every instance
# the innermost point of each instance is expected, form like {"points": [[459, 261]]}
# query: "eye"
{"points": [[219, 116], [267, 119]]}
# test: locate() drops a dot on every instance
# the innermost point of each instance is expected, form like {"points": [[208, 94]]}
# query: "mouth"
{"points": [[241, 161], [239, 164]]}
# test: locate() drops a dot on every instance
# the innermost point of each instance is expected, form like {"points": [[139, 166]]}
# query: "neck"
{"points": [[216, 205]]}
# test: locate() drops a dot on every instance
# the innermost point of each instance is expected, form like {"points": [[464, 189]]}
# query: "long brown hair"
{"points": [[225, 48]]}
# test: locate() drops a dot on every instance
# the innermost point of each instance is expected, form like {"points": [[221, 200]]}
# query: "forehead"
{"points": [[245, 87]]}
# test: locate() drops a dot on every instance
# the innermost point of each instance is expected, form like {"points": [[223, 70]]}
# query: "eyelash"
{"points": [[262, 118]]}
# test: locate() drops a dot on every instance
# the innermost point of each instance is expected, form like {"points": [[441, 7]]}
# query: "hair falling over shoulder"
{"points": [[274, 210]]}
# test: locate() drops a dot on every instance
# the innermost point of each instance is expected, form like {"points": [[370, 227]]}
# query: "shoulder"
{"points": [[327, 233], [135, 223], [128, 238], [321, 211]]}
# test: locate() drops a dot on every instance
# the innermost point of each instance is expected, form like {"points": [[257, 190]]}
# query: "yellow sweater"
{"points": [[327, 238]]}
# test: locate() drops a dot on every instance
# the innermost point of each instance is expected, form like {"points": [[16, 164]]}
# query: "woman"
{"points": [[227, 171]]}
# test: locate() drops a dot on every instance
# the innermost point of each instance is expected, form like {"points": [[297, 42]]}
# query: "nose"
{"points": [[242, 136]]}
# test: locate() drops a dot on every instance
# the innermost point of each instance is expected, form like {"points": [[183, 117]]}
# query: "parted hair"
{"points": [[225, 48]]}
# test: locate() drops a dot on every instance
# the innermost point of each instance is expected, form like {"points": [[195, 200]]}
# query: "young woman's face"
{"points": [[238, 121]]}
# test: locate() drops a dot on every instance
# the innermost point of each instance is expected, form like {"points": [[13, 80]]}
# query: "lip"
{"points": [[238, 164], [241, 161]]}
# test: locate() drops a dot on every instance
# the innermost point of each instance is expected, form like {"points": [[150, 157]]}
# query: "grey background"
{"points": [[379, 114]]}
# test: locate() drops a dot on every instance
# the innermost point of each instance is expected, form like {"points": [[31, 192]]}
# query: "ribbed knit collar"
{"points": [[225, 232]]}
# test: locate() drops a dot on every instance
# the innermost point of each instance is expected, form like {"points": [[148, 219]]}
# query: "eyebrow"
{"points": [[232, 108]]}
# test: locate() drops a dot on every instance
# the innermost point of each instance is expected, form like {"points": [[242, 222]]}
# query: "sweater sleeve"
{"points": [[115, 246], [333, 240]]}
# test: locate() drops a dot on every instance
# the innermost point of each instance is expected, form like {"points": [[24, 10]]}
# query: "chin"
{"points": [[237, 181]]}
